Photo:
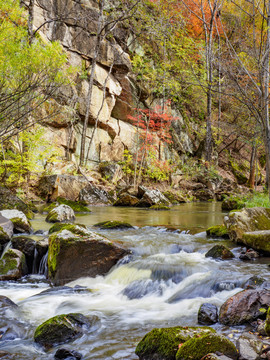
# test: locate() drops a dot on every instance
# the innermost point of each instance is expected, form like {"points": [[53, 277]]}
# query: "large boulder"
{"points": [[152, 197], [258, 240], [64, 328], [61, 213], [126, 199], [6, 231], [247, 220], [19, 220], [163, 344], [12, 265], [244, 307], [197, 347], [93, 195], [8, 200], [76, 253]]}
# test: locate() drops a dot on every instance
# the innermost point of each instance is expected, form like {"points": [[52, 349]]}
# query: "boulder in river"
{"points": [[6, 230], [5, 302], [79, 229], [249, 346], [197, 347], [207, 314], [94, 195], [219, 252], [152, 197], [244, 307], [218, 231], [126, 199], [61, 213], [73, 255], [12, 265], [62, 354], [258, 240], [8, 200], [113, 225], [19, 220], [163, 344], [64, 328]]}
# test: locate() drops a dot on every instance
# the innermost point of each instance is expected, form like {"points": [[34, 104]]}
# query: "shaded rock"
{"points": [[244, 307], [51, 187], [196, 348], [152, 197], [126, 199], [207, 314], [110, 171], [72, 255], [249, 346], [64, 328], [6, 231], [92, 195], [113, 225], [5, 302], [232, 203], [247, 220], [254, 281], [12, 265], [140, 288], [204, 194], [218, 231], [258, 240], [250, 254], [163, 344], [219, 252], [10, 201], [67, 354], [61, 213], [19, 220]]}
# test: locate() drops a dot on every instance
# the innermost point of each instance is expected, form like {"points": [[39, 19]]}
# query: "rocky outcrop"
{"points": [[12, 265], [19, 220], [244, 307], [64, 328], [61, 213], [77, 253]]}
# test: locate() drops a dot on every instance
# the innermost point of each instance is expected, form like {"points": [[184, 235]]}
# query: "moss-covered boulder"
{"points": [[244, 307], [159, 207], [152, 197], [162, 344], [113, 225], [247, 220], [74, 254], [61, 213], [218, 231], [258, 240], [233, 203], [219, 252], [9, 201], [126, 199], [267, 323], [63, 328], [197, 347], [6, 231], [12, 265], [18, 218], [78, 229]]}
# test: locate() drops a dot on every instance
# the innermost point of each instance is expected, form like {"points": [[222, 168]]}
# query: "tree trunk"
{"points": [[252, 174]]}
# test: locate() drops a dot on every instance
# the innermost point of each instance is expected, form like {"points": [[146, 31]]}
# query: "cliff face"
{"points": [[115, 93]]}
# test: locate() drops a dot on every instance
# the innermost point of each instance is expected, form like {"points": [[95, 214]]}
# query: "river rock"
{"points": [[216, 357], [204, 194], [162, 344], [249, 346], [218, 231], [73, 255], [93, 195], [113, 225], [67, 354], [244, 307], [250, 254], [12, 265], [258, 240], [61, 213], [197, 347], [5, 302], [152, 197], [6, 230], [64, 328], [219, 252], [110, 171], [207, 314], [126, 199], [19, 220], [247, 220]]}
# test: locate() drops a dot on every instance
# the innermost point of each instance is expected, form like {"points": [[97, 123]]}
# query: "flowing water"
{"points": [[162, 284]]}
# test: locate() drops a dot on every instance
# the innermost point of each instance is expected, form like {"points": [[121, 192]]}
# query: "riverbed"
{"points": [[163, 283]]}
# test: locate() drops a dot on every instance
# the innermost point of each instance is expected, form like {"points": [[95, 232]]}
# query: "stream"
{"points": [[162, 284]]}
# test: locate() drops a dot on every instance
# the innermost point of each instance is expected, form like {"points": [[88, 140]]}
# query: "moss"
{"points": [[75, 229], [53, 252], [218, 231], [171, 197], [163, 343], [3, 235], [267, 322], [238, 173], [219, 252], [19, 223], [258, 240], [113, 225], [29, 214], [233, 203], [76, 206], [50, 207], [8, 262], [198, 347], [159, 207]]}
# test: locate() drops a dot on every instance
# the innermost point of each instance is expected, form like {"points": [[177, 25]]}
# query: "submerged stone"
{"points": [[113, 225], [163, 344], [219, 252]]}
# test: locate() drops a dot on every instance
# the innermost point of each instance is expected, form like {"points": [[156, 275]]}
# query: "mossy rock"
{"points": [[233, 203], [78, 229], [238, 172], [62, 328], [267, 323], [159, 207], [219, 252], [61, 213], [162, 344], [76, 206], [113, 225], [50, 207], [198, 347], [12, 265], [258, 240], [218, 231]]}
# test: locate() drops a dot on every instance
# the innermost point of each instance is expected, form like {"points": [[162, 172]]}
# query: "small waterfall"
{"points": [[43, 266], [6, 248], [34, 266]]}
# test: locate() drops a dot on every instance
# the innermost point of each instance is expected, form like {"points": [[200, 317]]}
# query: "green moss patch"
{"points": [[113, 225], [78, 229], [258, 240], [197, 347], [219, 252], [267, 322], [219, 231], [8, 262], [164, 343], [76, 206], [159, 207]]}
